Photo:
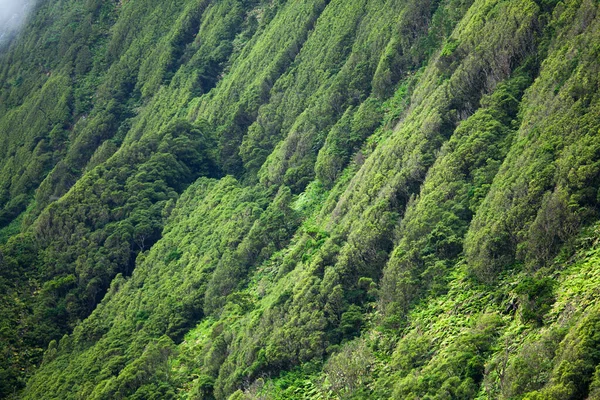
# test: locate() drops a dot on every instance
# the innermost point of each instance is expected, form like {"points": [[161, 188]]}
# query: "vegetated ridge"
{"points": [[307, 199]]}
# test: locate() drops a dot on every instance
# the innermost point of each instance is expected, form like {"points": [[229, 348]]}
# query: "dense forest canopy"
{"points": [[300, 199]]}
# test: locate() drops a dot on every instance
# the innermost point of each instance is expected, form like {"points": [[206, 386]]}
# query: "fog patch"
{"points": [[13, 14]]}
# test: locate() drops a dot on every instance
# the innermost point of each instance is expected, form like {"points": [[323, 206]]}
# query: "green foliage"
{"points": [[301, 199], [344, 139], [436, 222], [347, 371], [520, 206], [269, 233], [456, 374], [536, 298]]}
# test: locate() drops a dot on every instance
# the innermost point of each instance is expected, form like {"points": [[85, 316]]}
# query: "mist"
{"points": [[13, 14]]}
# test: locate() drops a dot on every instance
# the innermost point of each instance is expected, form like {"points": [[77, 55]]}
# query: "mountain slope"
{"points": [[301, 199]]}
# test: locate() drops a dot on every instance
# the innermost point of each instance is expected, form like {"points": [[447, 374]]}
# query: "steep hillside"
{"points": [[271, 199]]}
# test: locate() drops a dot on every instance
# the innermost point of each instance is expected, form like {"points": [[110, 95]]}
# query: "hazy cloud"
{"points": [[12, 15]]}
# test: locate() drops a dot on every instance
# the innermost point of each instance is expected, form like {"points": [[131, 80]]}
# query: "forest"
{"points": [[301, 199]]}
